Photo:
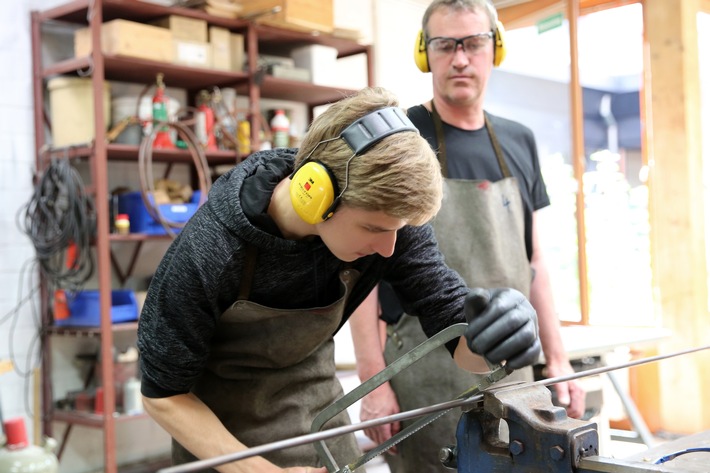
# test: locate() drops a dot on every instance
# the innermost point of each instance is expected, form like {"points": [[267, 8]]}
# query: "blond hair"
{"points": [[399, 175], [460, 5]]}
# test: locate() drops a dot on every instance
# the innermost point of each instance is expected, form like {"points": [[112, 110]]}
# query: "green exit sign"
{"points": [[549, 23]]}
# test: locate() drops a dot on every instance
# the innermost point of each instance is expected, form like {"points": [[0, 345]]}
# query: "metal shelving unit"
{"points": [[252, 83]]}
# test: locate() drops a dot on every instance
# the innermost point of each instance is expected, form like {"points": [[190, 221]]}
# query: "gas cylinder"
{"points": [[204, 123], [160, 114], [18, 456]]}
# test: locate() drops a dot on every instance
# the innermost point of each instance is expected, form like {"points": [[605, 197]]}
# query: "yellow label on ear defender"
{"points": [[311, 192]]}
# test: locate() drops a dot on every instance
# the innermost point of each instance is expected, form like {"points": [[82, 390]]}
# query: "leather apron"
{"points": [[480, 230], [271, 371]]}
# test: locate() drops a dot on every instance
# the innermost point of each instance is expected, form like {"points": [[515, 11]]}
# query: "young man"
{"points": [[236, 335], [486, 228]]}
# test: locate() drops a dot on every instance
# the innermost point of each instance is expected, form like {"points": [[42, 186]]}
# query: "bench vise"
{"points": [[517, 429], [540, 436]]}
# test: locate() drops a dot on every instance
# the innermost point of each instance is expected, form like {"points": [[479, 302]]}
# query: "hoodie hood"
{"points": [[240, 198]]}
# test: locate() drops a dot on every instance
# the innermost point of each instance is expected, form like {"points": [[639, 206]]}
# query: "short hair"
{"points": [[399, 175], [459, 5]]}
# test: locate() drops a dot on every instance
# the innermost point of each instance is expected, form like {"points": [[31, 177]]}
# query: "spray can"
{"points": [[18, 456], [243, 136], [280, 128], [160, 114]]}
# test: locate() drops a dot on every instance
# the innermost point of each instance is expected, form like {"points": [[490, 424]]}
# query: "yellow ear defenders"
{"points": [[314, 190], [422, 61]]}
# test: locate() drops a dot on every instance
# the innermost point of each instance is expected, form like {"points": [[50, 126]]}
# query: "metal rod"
{"points": [[346, 429], [605, 369], [314, 437]]}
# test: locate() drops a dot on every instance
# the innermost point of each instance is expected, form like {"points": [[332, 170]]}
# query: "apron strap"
{"points": [[496, 147], [440, 139], [438, 126], [248, 273]]}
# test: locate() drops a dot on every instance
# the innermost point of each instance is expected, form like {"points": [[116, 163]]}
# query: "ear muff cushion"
{"points": [[313, 189], [499, 52], [420, 57]]}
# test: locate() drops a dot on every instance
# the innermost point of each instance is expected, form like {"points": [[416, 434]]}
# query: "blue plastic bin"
{"points": [[131, 203], [84, 308]]}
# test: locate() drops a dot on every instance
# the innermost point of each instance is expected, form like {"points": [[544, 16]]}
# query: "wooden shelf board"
{"points": [[299, 91], [131, 69]]}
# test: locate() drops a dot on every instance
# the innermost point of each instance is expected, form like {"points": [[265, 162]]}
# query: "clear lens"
{"points": [[471, 44], [442, 45]]}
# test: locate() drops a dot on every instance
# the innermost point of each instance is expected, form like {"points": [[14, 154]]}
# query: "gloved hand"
{"points": [[502, 326]]}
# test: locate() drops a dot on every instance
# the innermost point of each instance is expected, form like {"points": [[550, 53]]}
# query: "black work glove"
{"points": [[502, 326]]}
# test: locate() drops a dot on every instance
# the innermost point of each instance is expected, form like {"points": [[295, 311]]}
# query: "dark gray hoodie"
{"points": [[200, 274]]}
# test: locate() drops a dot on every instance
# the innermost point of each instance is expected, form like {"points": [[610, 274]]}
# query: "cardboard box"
{"points": [[302, 15], [128, 38], [290, 73], [182, 27], [237, 52], [320, 61], [192, 53], [221, 42], [71, 108]]}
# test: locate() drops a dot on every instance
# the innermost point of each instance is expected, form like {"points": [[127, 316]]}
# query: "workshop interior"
{"points": [[108, 153]]}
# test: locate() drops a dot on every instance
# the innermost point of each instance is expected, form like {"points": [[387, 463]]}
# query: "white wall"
{"points": [[396, 23], [17, 321]]}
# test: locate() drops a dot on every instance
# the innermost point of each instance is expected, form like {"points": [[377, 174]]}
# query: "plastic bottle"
{"points": [[280, 127], [132, 401]]}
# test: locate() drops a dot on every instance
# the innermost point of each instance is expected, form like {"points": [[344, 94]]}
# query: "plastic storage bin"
{"points": [[131, 203], [84, 308]]}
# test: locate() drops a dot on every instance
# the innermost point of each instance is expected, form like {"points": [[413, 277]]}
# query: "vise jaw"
{"points": [[519, 430]]}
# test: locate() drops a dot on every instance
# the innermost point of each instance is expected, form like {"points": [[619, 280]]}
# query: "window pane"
{"points": [[615, 192], [704, 66]]}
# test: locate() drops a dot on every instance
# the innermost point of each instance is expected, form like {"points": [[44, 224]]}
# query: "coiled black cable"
{"points": [[60, 220]]}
